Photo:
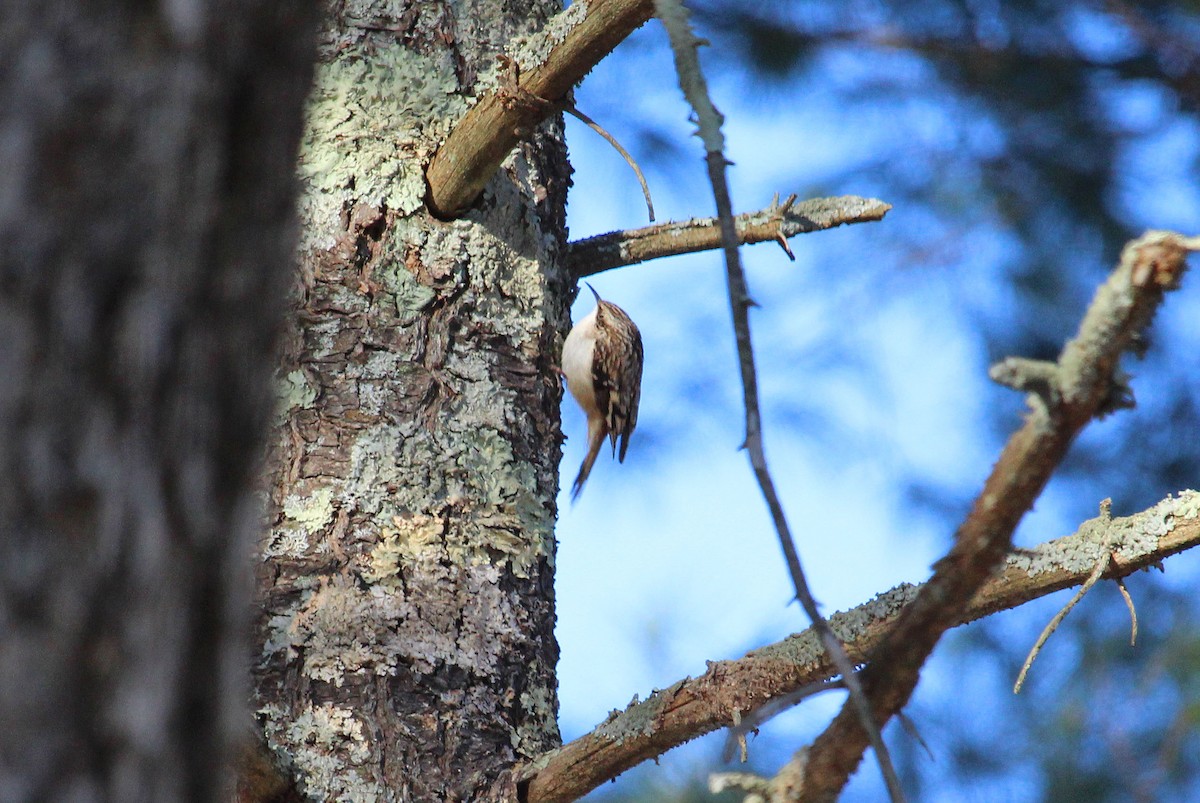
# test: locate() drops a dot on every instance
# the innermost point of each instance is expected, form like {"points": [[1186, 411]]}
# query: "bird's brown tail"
{"points": [[595, 440]]}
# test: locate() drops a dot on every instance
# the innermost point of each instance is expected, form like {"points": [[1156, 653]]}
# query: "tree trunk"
{"points": [[146, 232], [407, 634]]}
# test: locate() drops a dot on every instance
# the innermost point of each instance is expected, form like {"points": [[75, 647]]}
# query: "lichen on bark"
{"points": [[419, 448]]}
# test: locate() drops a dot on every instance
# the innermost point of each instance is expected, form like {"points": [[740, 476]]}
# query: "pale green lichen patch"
{"points": [[534, 50], [411, 538], [394, 473], [506, 277], [303, 518], [503, 492], [849, 625], [374, 117], [374, 467], [494, 474], [1188, 505], [529, 738], [801, 649], [279, 636], [285, 542], [409, 295], [294, 390], [310, 512], [639, 719], [327, 745], [1129, 537], [805, 649], [377, 378]]}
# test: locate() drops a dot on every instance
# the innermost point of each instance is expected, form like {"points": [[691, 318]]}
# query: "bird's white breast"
{"points": [[577, 353]]}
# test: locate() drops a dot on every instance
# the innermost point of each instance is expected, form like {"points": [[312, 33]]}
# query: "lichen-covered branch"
{"points": [[776, 223], [540, 72], [695, 706], [1086, 384]]}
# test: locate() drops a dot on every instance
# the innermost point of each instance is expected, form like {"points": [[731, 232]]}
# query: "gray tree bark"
{"points": [[146, 233], [407, 645]]}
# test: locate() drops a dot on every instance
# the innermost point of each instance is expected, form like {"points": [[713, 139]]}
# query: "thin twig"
{"points": [[620, 248], [752, 721], [570, 109], [684, 46], [743, 749], [1048, 630], [910, 728], [696, 706], [1132, 611]]}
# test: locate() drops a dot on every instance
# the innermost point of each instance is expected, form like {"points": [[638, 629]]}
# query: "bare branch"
{"points": [[1084, 386], [695, 706], [571, 45], [619, 248]]}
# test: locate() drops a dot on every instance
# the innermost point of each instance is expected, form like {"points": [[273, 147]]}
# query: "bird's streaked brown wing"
{"points": [[617, 373]]}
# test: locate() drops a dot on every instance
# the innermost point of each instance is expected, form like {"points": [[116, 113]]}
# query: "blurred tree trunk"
{"points": [[146, 233], [407, 645]]}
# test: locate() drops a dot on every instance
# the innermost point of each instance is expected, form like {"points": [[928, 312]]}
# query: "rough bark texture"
{"points": [[146, 231], [407, 579]]}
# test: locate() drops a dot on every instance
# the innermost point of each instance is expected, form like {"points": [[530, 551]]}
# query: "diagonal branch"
{"points": [[1086, 383], [552, 62], [684, 45], [696, 706], [618, 248]]}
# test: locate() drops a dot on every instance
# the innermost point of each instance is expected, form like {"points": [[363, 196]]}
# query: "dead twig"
{"points": [[570, 109], [1048, 630], [687, 65], [1132, 611], [752, 721]]}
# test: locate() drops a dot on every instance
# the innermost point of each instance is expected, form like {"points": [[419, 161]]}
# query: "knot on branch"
{"points": [[780, 213], [1119, 395], [528, 107], [1158, 259], [756, 787], [1039, 377]]}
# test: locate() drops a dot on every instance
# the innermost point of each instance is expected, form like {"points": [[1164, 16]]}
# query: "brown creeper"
{"points": [[602, 362]]}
